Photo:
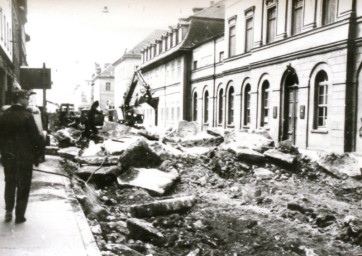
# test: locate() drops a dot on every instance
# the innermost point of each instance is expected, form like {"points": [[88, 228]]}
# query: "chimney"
{"points": [[196, 9], [212, 2]]}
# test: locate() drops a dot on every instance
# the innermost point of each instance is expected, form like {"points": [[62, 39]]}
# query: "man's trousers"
{"points": [[17, 185]]}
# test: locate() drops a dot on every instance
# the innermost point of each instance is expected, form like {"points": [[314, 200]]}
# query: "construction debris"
{"points": [[252, 198]]}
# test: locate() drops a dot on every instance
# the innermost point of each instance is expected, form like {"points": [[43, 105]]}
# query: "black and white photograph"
{"points": [[191, 128]]}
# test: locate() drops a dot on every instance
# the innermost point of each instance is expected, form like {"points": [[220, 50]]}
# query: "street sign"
{"points": [[35, 78]]}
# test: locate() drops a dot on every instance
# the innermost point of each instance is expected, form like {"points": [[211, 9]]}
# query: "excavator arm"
{"points": [[129, 112]]}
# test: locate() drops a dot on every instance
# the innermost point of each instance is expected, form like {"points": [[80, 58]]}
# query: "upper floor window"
{"points": [[159, 47], [221, 56], [329, 11], [194, 116], [297, 16], [108, 86], [206, 107], [321, 100], [195, 64], [247, 104], [265, 103], [221, 106], [154, 47], [231, 106], [271, 24], [232, 38], [249, 41]]}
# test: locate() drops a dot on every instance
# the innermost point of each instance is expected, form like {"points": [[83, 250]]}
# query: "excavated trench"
{"points": [[241, 207]]}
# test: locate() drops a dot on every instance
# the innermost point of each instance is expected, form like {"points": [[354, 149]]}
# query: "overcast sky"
{"points": [[71, 35]]}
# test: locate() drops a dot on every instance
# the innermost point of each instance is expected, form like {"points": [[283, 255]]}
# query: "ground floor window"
{"points": [[206, 107], [321, 100], [247, 105]]}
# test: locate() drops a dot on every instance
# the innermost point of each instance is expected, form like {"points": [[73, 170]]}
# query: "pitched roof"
{"points": [[215, 11], [136, 51]]}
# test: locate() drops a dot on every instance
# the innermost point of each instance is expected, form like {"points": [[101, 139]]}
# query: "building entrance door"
{"points": [[290, 114]]}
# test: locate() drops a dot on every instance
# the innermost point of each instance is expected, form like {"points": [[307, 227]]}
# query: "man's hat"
{"points": [[18, 94]]}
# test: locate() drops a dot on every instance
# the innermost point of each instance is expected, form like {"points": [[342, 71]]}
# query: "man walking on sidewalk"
{"points": [[20, 145]]}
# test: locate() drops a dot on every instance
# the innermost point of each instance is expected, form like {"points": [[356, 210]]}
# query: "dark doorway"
{"points": [[290, 105]]}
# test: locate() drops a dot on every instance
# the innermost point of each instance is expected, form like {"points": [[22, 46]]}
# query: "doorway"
{"points": [[290, 106]]}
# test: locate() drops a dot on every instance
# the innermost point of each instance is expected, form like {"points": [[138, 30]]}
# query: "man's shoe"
{"points": [[8, 216], [20, 220]]}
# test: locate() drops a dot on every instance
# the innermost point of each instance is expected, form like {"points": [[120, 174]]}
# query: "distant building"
{"points": [[103, 86]]}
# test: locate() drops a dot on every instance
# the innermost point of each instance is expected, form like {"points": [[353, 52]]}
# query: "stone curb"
{"points": [[89, 242]]}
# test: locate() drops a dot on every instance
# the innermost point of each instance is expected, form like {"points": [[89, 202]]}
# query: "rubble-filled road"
{"points": [[219, 194]]}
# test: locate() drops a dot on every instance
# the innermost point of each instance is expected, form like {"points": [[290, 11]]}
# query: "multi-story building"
{"points": [[125, 67], [291, 67], [103, 86], [12, 46], [167, 63]]}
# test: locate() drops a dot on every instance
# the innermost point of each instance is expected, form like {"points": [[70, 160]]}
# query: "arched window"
{"points": [[206, 107], [194, 107], [247, 105], [221, 106], [264, 104], [321, 100], [231, 106]]}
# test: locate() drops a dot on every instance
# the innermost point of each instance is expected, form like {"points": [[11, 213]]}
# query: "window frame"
{"points": [[206, 107], [220, 102], [270, 28], [265, 106], [295, 9], [194, 106], [232, 37], [231, 105], [246, 105], [108, 86], [321, 81], [329, 15]]}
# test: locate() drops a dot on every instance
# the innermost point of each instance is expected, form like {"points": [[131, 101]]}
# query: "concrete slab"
{"points": [[55, 222]]}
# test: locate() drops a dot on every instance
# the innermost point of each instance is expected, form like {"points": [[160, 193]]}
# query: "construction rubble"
{"points": [[186, 192]]}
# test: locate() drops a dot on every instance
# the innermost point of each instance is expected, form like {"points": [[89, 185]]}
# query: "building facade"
{"points": [[12, 46], [292, 68], [103, 87], [167, 64]]}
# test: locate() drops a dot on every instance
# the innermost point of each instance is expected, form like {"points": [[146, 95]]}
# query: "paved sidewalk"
{"points": [[55, 222]]}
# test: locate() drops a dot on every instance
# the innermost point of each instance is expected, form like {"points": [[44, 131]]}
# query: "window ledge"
{"points": [[321, 131], [246, 127], [267, 128], [231, 126]]}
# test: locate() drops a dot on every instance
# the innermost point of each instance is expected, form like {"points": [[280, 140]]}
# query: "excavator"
{"points": [[131, 113]]}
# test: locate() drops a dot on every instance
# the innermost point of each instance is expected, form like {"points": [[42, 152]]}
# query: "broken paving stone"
{"points": [[93, 150], [244, 154], [241, 139], [139, 155], [69, 153], [163, 207], [263, 174], [51, 150], [216, 131], [186, 129], [99, 174], [194, 252], [280, 156], [164, 151], [98, 160], [153, 180], [96, 229], [122, 250], [119, 145], [142, 230]]}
